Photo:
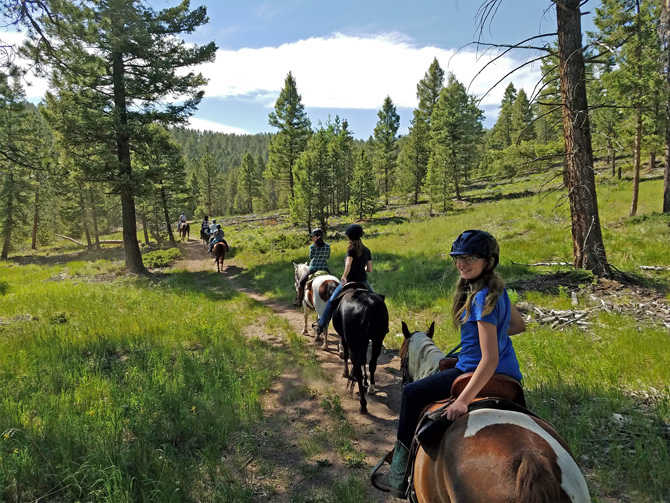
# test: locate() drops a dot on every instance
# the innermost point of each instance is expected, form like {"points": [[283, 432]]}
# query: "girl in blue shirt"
{"points": [[486, 318]]}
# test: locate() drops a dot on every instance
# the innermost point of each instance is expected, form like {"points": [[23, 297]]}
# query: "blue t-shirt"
{"points": [[471, 352]]}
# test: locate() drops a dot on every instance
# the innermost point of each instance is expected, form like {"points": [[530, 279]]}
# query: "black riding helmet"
{"points": [[354, 231], [476, 242], [317, 232]]}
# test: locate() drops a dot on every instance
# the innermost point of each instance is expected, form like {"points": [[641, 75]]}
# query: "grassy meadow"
{"points": [[118, 388]]}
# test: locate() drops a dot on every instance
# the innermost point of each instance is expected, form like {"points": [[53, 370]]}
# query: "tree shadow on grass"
{"points": [[61, 257]]}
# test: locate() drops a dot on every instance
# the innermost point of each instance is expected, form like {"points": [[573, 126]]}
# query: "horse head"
{"points": [[419, 355]]}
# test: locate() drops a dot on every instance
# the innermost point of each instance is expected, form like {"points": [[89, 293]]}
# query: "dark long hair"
{"points": [[356, 245], [319, 242]]}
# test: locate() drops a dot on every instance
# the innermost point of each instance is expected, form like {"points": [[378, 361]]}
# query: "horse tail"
{"points": [[536, 482]]}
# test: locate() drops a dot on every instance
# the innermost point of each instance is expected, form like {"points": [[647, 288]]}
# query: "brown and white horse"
{"points": [[316, 296], [184, 230], [497, 456]]}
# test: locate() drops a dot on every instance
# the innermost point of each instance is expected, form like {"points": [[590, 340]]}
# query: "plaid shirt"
{"points": [[318, 257]]}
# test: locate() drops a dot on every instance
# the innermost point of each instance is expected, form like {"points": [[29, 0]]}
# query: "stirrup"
{"points": [[374, 471]]}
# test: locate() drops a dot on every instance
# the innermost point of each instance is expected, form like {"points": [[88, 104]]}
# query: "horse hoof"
{"points": [[318, 338], [372, 390], [305, 332], [363, 410]]}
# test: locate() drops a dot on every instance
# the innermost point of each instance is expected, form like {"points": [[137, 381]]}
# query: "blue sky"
{"points": [[348, 55]]}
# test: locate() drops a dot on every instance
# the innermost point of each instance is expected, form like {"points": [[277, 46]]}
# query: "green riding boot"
{"points": [[396, 480]]}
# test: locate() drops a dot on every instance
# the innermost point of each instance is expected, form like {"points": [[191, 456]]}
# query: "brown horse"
{"points": [[492, 455], [219, 251], [184, 231]]}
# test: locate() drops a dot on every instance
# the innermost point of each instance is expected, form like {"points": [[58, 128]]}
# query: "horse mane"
{"points": [[424, 356]]}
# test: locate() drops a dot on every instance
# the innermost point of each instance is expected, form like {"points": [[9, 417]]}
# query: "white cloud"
{"points": [[354, 71], [205, 125]]}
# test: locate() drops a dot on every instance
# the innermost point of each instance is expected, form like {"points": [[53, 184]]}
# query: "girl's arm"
{"points": [[347, 268], [488, 341], [516, 324], [368, 267]]}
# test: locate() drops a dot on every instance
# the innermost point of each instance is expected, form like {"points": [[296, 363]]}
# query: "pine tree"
{"points": [[386, 146], [363, 186], [248, 184], [126, 59], [208, 170], [501, 136], [294, 127], [313, 184], [456, 129], [521, 119], [629, 28], [23, 152], [428, 89], [414, 156]]}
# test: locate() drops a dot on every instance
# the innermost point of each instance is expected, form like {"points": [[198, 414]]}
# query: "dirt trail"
{"points": [[286, 472]]}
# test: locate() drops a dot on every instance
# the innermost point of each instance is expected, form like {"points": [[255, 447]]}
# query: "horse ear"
{"points": [[431, 330], [405, 330]]}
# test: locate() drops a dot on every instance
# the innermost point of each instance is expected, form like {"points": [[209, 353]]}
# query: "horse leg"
{"points": [[372, 366], [305, 318], [345, 357], [324, 346], [358, 375]]}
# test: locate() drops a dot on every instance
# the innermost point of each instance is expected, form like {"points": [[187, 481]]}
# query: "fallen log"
{"points": [[654, 268], [102, 241]]}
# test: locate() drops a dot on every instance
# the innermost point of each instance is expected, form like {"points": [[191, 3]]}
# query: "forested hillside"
{"points": [[602, 101]]}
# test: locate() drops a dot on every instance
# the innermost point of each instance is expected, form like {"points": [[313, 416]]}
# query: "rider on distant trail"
{"points": [[182, 220], [319, 253], [204, 226], [218, 238]]}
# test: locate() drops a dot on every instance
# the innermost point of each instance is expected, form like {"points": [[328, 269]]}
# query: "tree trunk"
{"points": [[143, 217], [166, 215], [84, 217], [614, 165], [610, 155], [637, 157], [130, 245], [36, 213], [94, 217], [9, 219], [588, 247], [652, 160]]}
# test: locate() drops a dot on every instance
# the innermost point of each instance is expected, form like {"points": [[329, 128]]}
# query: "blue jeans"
{"points": [[418, 394], [327, 314]]}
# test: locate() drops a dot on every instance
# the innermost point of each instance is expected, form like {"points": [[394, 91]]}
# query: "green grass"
{"points": [[126, 390], [119, 388]]}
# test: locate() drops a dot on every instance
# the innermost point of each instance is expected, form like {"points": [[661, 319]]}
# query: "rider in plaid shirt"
{"points": [[319, 253]]}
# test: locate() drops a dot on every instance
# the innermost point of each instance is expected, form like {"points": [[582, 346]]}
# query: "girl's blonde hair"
{"points": [[466, 291]]}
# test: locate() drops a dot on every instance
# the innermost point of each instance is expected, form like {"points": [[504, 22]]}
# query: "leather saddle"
{"points": [[501, 392]]}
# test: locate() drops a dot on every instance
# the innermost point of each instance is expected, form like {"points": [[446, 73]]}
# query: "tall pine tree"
{"points": [[129, 60]]}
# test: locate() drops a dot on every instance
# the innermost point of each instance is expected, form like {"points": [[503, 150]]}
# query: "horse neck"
{"points": [[301, 270], [424, 356]]}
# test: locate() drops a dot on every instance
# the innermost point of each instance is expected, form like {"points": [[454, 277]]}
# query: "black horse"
{"points": [[204, 235], [361, 316]]}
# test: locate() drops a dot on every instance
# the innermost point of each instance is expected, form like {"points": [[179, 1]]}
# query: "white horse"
{"points": [[317, 293]]}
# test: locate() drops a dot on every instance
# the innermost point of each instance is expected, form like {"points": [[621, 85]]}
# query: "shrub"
{"points": [[161, 258]]}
